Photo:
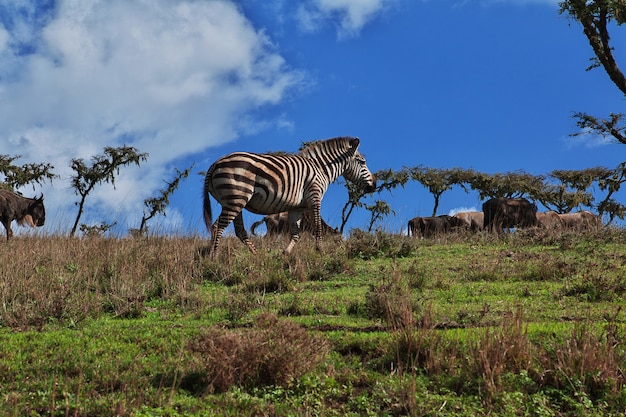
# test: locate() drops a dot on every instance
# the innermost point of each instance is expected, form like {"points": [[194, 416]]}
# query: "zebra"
{"points": [[272, 183]]}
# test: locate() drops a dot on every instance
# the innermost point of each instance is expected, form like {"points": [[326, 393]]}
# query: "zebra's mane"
{"points": [[313, 148]]}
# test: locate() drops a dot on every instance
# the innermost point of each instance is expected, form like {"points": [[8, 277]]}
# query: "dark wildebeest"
{"points": [[432, 226], [413, 226], [581, 220], [550, 220], [278, 224], [27, 211], [472, 220], [503, 213]]}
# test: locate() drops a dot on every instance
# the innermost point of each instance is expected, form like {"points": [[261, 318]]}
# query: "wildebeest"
{"points": [[473, 220], [413, 226], [503, 213], [27, 211], [278, 224], [581, 220], [550, 220], [432, 226]]}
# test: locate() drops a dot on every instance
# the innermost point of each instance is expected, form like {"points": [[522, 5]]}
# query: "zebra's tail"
{"points": [[255, 225]]}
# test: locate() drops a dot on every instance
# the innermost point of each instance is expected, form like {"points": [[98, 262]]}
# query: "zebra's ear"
{"points": [[354, 143]]}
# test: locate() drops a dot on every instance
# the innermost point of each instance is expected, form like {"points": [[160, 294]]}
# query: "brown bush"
{"points": [[589, 363], [392, 300], [274, 352], [499, 352]]}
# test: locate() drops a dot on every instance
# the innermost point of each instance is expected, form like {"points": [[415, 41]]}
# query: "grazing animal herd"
{"points": [[500, 214], [288, 189], [432, 226]]}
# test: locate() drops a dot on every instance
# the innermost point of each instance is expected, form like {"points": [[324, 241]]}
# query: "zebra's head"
{"points": [[357, 170]]}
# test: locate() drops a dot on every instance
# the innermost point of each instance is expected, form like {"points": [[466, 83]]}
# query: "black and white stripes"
{"points": [[273, 183]]}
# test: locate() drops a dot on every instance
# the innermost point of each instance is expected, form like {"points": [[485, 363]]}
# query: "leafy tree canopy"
{"points": [[596, 17]]}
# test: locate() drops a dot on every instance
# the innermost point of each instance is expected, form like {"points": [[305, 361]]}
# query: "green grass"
{"points": [[377, 325]]}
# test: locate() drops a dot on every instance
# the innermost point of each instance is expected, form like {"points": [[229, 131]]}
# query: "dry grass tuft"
{"points": [[499, 352], [588, 363], [273, 352], [61, 279], [392, 300]]}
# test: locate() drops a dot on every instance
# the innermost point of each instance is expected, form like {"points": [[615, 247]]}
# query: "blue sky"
{"points": [[482, 84]]}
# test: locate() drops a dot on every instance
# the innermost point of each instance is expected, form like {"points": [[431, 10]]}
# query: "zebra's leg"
{"points": [[240, 232], [294, 226], [317, 217], [217, 229], [216, 234]]}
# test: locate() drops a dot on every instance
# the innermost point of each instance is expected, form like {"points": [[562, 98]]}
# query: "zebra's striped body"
{"points": [[269, 183]]}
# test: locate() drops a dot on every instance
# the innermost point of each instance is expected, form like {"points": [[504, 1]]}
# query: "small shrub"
{"points": [[295, 308], [357, 309], [237, 306], [391, 301], [214, 271], [595, 286], [499, 353], [323, 270], [589, 364], [422, 351], [363, 245], [269, 273], [416, 276], [274, 352]]}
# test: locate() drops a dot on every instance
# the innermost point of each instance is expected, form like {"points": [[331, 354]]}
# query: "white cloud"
{"points": [[350, 15], [588, 139], [149, 74]]}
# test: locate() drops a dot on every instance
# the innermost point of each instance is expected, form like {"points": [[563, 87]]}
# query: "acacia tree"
{"points": [[103, 169], [510, 184], [569, 189], [578, 186], [16, 176], [611, 183], [386, 180], [595, 17], [378, 211], [438, 181], [156, 205], [559, 198]]}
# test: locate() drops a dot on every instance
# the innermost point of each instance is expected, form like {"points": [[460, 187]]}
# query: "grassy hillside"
{"points": [[530, 324]]}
